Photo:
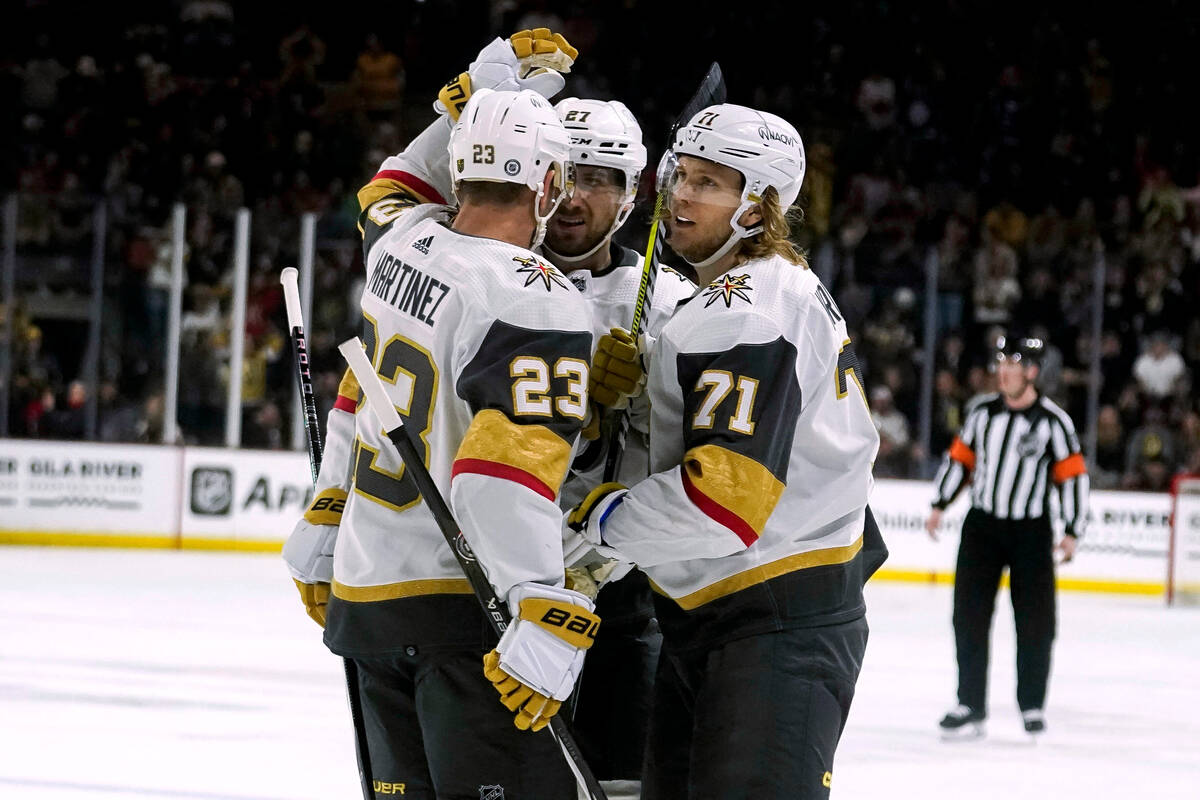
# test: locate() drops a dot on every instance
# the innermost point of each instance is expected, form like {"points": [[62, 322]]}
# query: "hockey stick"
{"points": [[308, 403], [710, 92], [493, 607]]}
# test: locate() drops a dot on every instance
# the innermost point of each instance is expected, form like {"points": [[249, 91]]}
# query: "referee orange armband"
{"points": [[962, 454], [1070, 467]]}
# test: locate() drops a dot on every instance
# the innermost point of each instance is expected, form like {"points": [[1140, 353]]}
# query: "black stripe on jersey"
{"points": [[1006, 447], [493, 379], [765, 372]]}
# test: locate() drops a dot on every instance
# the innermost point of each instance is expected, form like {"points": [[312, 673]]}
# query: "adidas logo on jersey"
{"points": [[423, 244]]}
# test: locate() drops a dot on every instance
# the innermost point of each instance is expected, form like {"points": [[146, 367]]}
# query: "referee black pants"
{"points": [[988, 546]]}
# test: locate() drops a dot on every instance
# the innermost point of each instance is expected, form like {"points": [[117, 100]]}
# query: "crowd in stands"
{"points": [[1019, 153]]}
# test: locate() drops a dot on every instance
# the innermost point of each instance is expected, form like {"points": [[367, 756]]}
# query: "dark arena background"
{"points": [[974, 170]]}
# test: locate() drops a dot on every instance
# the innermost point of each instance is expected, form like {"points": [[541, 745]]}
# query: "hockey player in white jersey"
{"points": [[754, 527], [613, 697], [484, 348]]}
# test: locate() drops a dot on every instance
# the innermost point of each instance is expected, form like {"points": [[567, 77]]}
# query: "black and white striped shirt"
{"points": [[1010, 457]]}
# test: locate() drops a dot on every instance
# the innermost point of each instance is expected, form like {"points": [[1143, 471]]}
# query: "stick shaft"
{"points": [[312, 430]]}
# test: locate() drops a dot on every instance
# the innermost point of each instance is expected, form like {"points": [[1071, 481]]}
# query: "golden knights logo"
{"points": [[535, 269], [728, 287]]}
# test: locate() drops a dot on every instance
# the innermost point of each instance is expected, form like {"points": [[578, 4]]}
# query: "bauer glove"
{"points": [[540, 655], [535, 59], [617, 372], [309, 550]]}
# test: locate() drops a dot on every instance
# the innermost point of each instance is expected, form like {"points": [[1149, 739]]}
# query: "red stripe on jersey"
{"points": [[496, 470], [718, 512], [344, 403], [413, 182]]}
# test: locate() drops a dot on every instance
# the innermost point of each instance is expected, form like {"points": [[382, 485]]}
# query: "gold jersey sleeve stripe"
{"points": [[393, 181], [495, 445], [394, 591], [765, 572], [733, 489]]}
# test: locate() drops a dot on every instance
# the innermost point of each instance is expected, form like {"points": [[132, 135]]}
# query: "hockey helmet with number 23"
{"points": [[765, 148], [513, 137]]}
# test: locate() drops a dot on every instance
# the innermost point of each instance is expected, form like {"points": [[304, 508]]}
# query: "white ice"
{"points": [[153, 674]]}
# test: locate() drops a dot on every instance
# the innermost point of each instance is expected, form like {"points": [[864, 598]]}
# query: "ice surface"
{"points": [[155, 674]]}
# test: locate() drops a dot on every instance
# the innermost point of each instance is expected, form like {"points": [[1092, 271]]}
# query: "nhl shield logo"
{"points": [[1031, 444], [493, 792], [212, 491]]}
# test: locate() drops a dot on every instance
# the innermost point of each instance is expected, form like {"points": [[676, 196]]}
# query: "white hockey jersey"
{"points": [[761, 444], [611, 294], [484, 349]]}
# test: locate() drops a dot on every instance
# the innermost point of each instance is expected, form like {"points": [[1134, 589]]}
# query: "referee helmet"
{"points": [[1025, 350]]}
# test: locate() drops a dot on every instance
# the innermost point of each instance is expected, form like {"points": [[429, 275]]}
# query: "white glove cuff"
{"points": [[308, 552], [594, 532]]}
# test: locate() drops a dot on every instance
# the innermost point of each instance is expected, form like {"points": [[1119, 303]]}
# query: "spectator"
{"points": [[996, 288], [1109, 466], [69, 422], [379, 79], [894, 459], [1153, 442], [1160, 371]]}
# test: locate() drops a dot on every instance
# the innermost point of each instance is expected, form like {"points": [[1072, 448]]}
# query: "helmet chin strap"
{"points": [[738, 234], [539, 233]]}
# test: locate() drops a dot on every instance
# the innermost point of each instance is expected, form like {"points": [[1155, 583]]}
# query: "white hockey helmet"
{"points": [[604, 133], [512, 137], [765, 148]]}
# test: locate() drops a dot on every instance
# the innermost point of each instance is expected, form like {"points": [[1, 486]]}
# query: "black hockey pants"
{"points": [[757, 718], [988, 546], [436, 729]]}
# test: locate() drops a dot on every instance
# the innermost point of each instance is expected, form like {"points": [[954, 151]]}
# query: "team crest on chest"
{"points": [[534, 269], [728, 287]]}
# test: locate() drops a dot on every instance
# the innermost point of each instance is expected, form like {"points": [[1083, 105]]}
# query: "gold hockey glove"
{"points": [[315, 597], [540, 655], [616, 373], [535, 60], [309, 550]]}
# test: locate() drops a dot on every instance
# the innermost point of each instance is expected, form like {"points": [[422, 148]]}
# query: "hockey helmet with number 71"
{"points": [[765, 148]]}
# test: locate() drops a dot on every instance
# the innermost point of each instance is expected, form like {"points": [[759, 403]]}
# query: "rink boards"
{"points": [[58, 493]]}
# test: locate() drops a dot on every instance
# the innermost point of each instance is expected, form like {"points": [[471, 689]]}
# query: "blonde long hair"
{"points": [[776, 228]]}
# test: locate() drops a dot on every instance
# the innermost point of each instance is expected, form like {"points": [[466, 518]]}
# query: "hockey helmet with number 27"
{"points": [[604, 133]]}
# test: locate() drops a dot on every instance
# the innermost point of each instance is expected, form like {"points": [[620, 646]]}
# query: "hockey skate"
{"points": [[1035, 721], [962, 723]]}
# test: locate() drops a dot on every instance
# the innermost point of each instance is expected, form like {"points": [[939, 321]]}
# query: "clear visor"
{"points": [[693, 180], [564, 182]]}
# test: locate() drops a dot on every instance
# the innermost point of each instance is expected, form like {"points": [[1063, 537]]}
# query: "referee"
{"points": [[1012, 446]]}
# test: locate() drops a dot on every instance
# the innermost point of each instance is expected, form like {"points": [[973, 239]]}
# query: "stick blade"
{"points": [[710, 92]]}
